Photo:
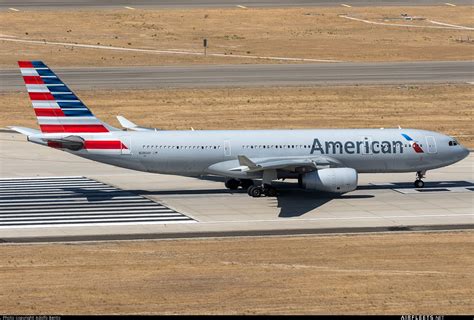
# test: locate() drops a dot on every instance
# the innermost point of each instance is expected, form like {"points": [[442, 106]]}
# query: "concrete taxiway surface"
{"points": [[44, 207], [70, 4], [255, 75]]}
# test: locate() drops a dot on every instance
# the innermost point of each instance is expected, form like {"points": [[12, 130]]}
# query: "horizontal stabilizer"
{"points": [[25, 131]]}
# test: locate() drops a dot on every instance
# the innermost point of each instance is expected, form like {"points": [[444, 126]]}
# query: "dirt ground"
{"points": [[313, 33], [443, 108], [427, 273]]}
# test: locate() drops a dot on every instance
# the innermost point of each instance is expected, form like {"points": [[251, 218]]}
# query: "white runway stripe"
{"points": [[71, 201], [82, 198], [47, 183], [49, 187], [89, 210], [68, 202], [25, 208], [90, 215], [45, 178]]}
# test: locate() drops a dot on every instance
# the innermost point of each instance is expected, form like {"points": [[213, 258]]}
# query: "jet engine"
{"points": [[337, 180]]}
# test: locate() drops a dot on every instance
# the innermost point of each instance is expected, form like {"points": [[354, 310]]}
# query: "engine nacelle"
{"points": [[337, 180]]}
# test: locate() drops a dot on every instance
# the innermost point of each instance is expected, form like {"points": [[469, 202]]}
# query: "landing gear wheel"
{"points": [[255, 192], [232, 184], [246, 183], [270, 192], [419, 184], [249, 190]]}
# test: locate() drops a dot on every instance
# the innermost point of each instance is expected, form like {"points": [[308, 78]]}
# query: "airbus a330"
{"points": [[327, 160]]}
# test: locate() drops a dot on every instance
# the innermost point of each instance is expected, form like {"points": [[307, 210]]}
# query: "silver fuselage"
{"points": [[197, 153]]}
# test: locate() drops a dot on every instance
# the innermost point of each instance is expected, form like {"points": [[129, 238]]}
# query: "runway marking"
{"points": [[74, 201], [404, 25], [169, 52], [450, 4], [13, 9], [430, 187], [346, 5], [129, 8], [242, 7], [437, 190]]}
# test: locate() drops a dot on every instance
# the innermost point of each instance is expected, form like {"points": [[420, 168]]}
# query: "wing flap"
{"points": [[289, 164]]}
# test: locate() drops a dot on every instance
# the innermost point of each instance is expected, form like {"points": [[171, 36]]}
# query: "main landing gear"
{"points": [[258, 191], [234, 184], [418, 182]]}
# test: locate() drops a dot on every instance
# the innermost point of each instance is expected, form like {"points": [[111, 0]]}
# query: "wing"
{"points": [[288, 164], [258, 165]]}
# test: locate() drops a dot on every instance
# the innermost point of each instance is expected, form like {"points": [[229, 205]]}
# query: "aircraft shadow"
{"points": [[294, 202], [96, 195]]}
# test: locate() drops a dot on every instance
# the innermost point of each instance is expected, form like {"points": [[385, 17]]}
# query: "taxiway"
{"points": [[47, 182], [255, 75]]}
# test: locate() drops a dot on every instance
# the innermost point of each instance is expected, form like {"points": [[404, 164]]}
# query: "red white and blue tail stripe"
{"points": [[57, 108]]}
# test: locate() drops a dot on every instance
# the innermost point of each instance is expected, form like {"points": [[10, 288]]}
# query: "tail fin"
{"points": [[57, 108]]}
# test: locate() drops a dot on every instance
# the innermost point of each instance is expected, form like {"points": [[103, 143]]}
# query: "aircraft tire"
{"points": [[255, 192], [419, 184], [232, 184]]}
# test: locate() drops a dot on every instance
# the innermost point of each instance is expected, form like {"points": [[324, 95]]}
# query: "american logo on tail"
{"points": [[59, 110]]}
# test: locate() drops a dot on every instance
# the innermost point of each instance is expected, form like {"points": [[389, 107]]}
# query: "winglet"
{"points": [[129, 125], [244, 161]]}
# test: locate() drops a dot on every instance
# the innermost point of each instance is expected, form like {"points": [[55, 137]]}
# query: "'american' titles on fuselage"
{"points": [[355, 147]]}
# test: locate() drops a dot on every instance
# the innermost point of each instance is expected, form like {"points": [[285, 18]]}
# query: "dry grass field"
{"points": [[444, 108], [428, 273], [313, 33]]}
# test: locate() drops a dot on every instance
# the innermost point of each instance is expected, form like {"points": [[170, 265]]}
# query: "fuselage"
{"points": [[195, 153]]}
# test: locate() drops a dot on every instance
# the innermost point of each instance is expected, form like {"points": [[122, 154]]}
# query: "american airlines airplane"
{"points": [[327, 160]]}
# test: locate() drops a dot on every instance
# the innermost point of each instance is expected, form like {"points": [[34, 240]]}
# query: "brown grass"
{"points": [[317, 33], [388, 274], [444, 108]]}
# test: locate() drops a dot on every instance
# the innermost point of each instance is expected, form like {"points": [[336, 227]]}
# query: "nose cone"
{"points": [[463, 153]]}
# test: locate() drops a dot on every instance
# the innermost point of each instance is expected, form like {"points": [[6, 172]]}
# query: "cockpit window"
{"points": [[453, 143]]}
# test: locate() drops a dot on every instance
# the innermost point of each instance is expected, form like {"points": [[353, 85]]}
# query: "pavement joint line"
{"points": [[343, 218], [156, 51], [346, 5], [400, 25], [304, 234], [450, 4], [13, 9], [449, 25]]}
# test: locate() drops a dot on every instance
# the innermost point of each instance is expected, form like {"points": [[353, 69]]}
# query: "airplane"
{"points": [[326, 160]]}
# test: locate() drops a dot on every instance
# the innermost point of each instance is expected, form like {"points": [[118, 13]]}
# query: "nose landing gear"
{"points": [[418, 182]]}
